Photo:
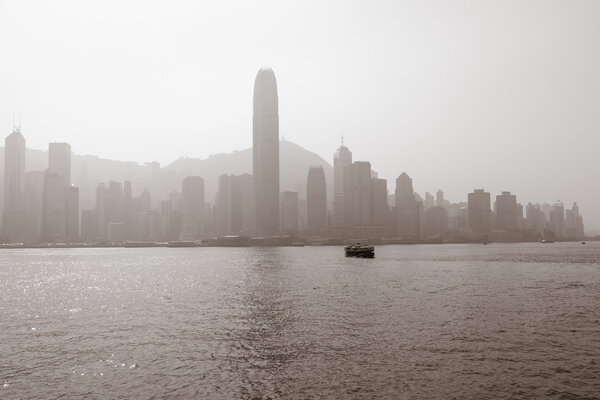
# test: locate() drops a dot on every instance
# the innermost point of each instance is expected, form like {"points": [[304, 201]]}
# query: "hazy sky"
{"points": [[503, 95]]}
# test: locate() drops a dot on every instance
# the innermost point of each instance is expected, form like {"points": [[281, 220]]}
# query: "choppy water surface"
{"points": [[432, 321]]}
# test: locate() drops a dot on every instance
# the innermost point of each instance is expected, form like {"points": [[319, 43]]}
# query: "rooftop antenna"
{"points": [[342, 138]]}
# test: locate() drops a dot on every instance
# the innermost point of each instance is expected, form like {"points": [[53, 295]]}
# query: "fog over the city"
{"points": [[460, 95]]}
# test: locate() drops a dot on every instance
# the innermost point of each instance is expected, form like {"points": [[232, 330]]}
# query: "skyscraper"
{"points": [[316, 200], [506, 211], [59, 161], [557, 219], [14, 171], [358, 202], [266, 153], [234, 205], [439, 198], [479, 212], [289, 213], [54, 207], [192, 207], [15, 205], [57, 181], [408, 210], [72, 214], [341, 159], [379, 204]]}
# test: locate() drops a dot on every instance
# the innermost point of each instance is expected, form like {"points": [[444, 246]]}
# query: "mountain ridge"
{"points": [[89, 170]]}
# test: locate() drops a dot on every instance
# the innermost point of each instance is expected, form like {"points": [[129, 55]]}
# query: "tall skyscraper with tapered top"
{"points": [[265, 131]]}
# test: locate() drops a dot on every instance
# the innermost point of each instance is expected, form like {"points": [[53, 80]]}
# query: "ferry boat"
{"points": [[358, 250]]}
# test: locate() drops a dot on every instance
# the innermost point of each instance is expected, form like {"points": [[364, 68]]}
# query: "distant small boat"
{"points": [[358, 250], [582, 242], [546, 241]]}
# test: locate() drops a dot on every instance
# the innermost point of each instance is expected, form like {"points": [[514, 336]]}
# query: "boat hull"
{"points": [[360, 251]]}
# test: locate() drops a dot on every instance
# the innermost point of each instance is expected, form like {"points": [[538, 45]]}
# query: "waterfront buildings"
{"points": [[235, 205], [15, 218], [342, 159], [289, 213], [266, 153], [408, 211], [192, 208], [479, 213], [507, 212], [316, 201]]}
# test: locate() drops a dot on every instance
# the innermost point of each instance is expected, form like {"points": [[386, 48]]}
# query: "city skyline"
{"points": [[412, 86], [282, 199], [44, 206], [61, 166]]}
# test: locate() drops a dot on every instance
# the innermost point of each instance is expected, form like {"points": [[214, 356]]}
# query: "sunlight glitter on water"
{"points": [[461, 321]]}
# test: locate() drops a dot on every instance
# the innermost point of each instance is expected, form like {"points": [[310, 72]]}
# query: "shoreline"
{"points": [[189, 245]]}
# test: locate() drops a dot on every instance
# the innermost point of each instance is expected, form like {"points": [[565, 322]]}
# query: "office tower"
{"points": [[226, 202], [439, 198], [99, 212], [14, 171], [357, 194], [72, 215], [479, 212], [234, 205], [557, 219], [192, 207], [113, 204], [57, 182], [506, 212], [574, 223], [341, 160], [520, 218], [436, 221], [248, 219], [34, 189], [535, 220], [54, 208], [408, 210], [302, 215], [316, 200], [15, 204], [59, 161], [428, 201], [462, 218], [266, 153], [90, 230], [380, 209], [128, 211], [289, 213], [147, 224], [143, 203]]}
